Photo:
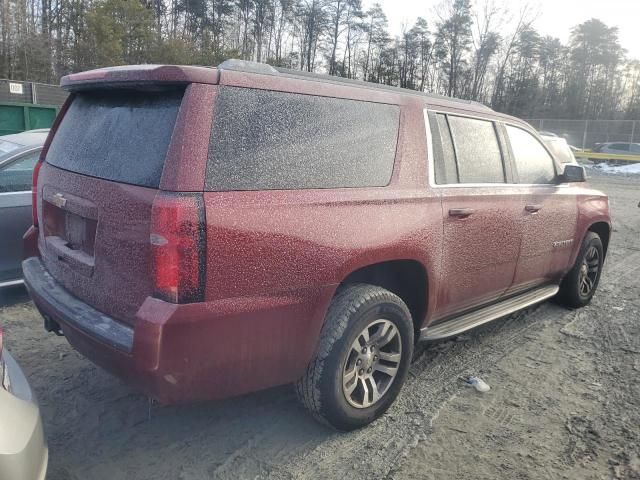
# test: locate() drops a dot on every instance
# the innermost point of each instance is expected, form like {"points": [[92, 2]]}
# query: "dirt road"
{"points": [[564, 401]]}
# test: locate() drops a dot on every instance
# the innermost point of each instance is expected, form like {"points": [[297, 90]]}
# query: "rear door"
{"points": [[481, 213], [549, 212], [96, 189], [15, 211]]}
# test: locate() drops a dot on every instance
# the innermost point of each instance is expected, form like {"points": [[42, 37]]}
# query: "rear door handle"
{"points": [[461, 212], [533, 208]]}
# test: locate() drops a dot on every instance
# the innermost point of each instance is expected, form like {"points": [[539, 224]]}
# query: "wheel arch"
{"points": [[407, 278], [603, 229]]}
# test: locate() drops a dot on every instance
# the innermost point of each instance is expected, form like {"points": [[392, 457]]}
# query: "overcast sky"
{"points": [[555, 17]]}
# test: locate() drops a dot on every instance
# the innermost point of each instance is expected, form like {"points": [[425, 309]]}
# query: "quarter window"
{"points": [[533, 162], [265, 140], [444, 157], [478, 154]]}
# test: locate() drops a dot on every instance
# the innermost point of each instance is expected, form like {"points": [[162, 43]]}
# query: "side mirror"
{"points": [[573, 173]]}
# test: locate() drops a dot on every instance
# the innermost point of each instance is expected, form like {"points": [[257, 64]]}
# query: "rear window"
{"points": [[265, 140], [117, 135]]}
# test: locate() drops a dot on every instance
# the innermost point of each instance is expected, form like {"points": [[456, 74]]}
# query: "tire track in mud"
{"points": [[433, 381]]}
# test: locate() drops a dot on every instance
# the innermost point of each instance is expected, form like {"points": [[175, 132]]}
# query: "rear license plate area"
{"points": [[70, 224]]}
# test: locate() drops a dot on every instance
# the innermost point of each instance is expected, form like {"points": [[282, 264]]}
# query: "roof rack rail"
{"points": [[264, 69], [247, 66]]}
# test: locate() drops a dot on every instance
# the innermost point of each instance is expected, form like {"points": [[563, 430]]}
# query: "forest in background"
{"points": [[482, 50]]}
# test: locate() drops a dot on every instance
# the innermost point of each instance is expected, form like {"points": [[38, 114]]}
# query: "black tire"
{"points": [[354, 308], [571, 293]]}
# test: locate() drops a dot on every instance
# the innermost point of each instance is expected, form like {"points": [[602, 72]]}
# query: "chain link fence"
{"points": [[585, 133], [31, 92]]}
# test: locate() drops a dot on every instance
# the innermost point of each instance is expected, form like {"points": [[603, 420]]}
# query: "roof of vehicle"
{"points": [[552, 138], [180, 74], [27, 138], [264, 69], [560, 149]]}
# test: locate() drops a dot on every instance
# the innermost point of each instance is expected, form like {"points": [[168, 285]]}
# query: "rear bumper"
{"points": [[23, 450], [191, 352], [72, 311]]}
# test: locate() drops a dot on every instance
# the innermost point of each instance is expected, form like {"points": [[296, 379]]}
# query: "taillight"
{"points": [[34, 193], [178, 246]]}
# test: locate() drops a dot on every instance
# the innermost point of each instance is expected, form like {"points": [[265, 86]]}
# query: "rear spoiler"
{"points": [[139, 76]]}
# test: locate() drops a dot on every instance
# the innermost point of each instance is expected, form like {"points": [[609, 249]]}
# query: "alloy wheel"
{"points": [[372, 363], [589, 271]]}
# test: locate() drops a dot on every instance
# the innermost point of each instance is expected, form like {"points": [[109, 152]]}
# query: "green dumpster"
{"points": [[18, 117]]}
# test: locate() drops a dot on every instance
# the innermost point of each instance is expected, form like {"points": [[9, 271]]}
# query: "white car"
{"points": [[23, 449], [18, 155], [618, 148], [561, 150]]}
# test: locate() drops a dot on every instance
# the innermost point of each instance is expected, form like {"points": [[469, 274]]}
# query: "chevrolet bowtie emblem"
{"points": [[58, 200]]}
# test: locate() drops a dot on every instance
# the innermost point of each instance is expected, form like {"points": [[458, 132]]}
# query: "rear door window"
{"points": [[477, 150], [117, 135], [265, 140], [533, 162]]}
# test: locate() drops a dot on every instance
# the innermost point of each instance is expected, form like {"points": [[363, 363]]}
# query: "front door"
{"points": [[549, 213]]}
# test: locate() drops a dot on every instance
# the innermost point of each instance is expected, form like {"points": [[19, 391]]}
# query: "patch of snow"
{"points": [[631, 169]]}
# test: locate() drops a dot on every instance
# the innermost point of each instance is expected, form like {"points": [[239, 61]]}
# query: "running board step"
{"points": [[476, 318]]}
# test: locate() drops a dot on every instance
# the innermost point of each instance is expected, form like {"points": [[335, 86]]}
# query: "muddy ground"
{"points": [[564, 401]]}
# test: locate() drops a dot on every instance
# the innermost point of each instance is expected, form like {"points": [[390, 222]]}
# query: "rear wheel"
{"points": [[362, 358], [580, 284]]}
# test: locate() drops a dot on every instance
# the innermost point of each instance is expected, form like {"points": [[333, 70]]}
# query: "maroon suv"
{"points": [[209, 232]]}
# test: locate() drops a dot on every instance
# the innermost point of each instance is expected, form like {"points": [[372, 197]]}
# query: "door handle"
{"points": [[461, 212], [533, 208]]}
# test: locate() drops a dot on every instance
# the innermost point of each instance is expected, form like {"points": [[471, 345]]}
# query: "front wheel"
{"points": [[580, 284], [362, 359]]}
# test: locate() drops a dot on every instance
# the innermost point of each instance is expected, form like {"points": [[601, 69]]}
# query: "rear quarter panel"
{"points": [[286, 251]]}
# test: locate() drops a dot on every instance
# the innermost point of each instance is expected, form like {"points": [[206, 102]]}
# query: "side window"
{"points": [[624, 147], [477, 150], [444, 157], [264, 140], [533, 162], [16, 177]]}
